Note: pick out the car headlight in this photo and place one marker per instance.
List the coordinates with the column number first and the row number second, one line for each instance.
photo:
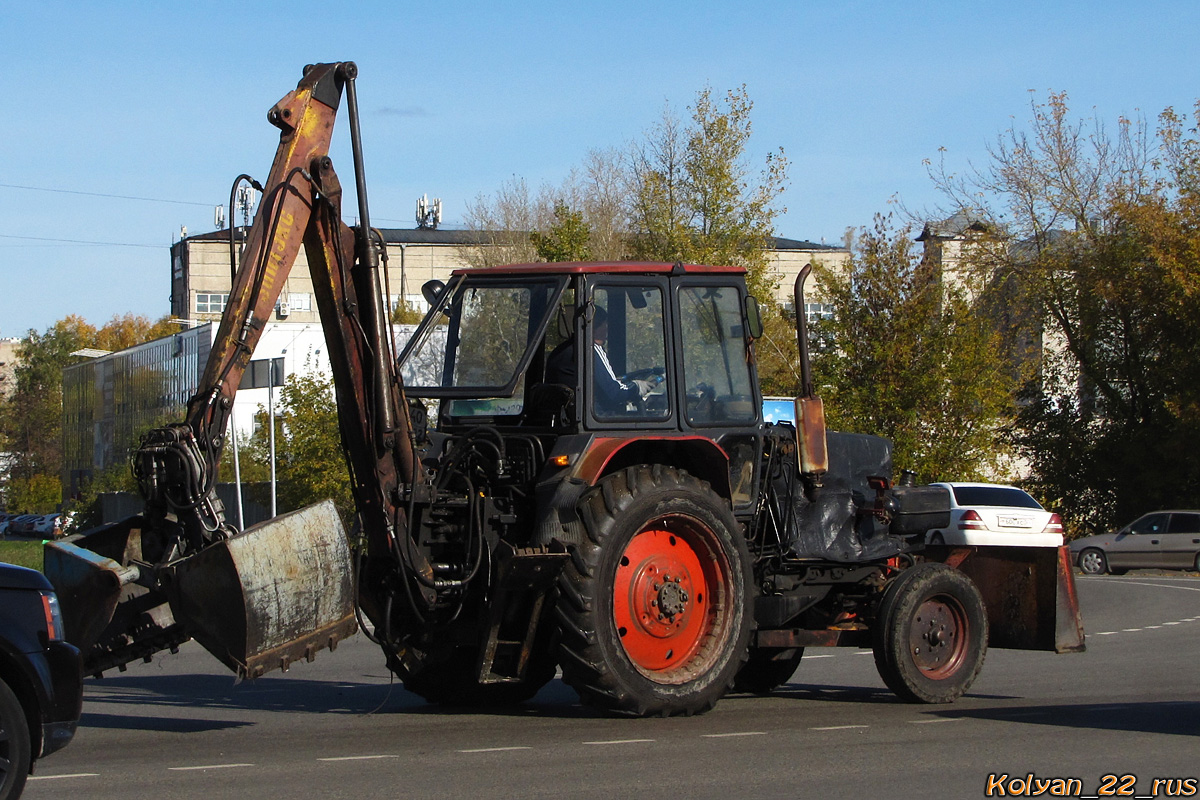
column 54, row 621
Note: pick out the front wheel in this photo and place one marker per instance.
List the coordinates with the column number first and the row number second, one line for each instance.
column 930, row 634
column 655, row 611
column 1093, row 562
column 14, row 745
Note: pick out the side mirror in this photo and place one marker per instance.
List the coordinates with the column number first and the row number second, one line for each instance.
column 432, row 291
column 754, row 323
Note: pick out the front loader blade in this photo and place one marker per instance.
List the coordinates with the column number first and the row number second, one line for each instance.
column 275, row 593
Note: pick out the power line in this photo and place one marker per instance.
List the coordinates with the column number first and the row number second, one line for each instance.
column 101, row 194
column 80, row 241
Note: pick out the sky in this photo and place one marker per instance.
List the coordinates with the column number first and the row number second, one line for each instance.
column 127, row 121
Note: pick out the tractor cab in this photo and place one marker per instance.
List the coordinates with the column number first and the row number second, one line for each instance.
column 656, row 355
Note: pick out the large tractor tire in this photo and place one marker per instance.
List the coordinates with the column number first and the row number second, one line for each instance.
column 930, row 634
column 767, row 670
column 654, row 611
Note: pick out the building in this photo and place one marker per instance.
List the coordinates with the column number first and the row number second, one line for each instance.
column 109, row 401
column 201, row 275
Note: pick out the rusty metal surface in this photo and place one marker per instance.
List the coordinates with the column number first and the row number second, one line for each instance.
column 111, row 619
column 1029, row 593
column 810, row 435
column 274, row 594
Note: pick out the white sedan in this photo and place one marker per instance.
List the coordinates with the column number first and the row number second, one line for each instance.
column 991, row 514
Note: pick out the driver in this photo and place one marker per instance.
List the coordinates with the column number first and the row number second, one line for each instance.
column 612, row 393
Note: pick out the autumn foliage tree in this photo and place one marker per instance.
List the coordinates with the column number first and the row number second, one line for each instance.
column 1098, row 226
column 31, row 418
column 905, row 356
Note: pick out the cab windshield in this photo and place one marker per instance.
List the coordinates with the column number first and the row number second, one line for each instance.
column 478, row 340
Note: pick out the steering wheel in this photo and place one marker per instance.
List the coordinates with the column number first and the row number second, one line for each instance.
column 658, row 373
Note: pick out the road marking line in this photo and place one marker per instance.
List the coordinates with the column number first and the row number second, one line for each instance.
column 934, row 721
column 839, row 727
column 622, row 741
column 208, row 766
column 1106, row 633
column 1159, row 585
column 493, row 749
column 725, row 735
column 1153, row 627
column 826, row 655
column 865, row 653
column 59, row 777
column 355, row 758
column 1130, row 630
column 1171, row 623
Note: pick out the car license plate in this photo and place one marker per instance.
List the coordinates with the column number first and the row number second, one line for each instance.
column 1014, row 522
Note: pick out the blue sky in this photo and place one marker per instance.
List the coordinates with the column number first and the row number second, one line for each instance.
column 167, row 101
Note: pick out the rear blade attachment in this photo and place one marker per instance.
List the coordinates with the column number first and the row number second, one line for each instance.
column 111, row 617
column 271, row 595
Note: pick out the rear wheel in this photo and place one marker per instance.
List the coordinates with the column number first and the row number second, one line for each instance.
column 14, row 745
column 930, row 634
column 1093, row 562
column 655, row 611
column 767, row 670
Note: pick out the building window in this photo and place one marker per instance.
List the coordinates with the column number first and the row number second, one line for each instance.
column 300, row 301
column 211, row 303
column 817, row 311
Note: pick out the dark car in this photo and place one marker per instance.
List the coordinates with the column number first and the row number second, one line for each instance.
column 41, row 677
column 1161, row 539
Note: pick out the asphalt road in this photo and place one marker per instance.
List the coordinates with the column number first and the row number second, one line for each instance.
column 339, row 727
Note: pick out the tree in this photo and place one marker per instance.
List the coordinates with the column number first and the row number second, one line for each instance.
column 507, row 220
column 309, row 463
column 31, row 418
column 906, row 357
column 567, row 239
column 1098, row 229
column 692, row 195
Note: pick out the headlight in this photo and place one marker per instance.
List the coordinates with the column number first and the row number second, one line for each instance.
column 54, row 622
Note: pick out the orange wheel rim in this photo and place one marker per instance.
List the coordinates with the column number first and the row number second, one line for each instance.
column 669, row 598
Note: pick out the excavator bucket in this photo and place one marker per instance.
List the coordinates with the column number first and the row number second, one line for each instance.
column 273, row 594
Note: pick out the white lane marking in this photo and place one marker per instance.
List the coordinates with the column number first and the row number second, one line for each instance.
column 493, row 749
column 865, row 653
column 934, row 721
column 1130, row 630
column 60, row 777
column 810, row 658
column 838, row 727
column 1153, row 627
column 1159, row 585
column 356, row 758
column 1106, row 633
column 1171, row 623
column 208, row 766
column 622, row 741
column 727, row 735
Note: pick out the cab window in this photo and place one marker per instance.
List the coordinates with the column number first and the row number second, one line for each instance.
column 715, row 370
column 627, row 353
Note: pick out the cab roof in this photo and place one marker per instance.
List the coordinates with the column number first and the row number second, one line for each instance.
column 602, row 267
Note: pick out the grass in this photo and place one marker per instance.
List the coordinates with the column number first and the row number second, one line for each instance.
column 25, row 554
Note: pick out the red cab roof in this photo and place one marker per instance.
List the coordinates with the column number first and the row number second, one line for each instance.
column 600, row 267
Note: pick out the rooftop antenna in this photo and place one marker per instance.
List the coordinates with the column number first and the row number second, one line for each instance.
column 429, row 216
column 246, row 195
column 218, row 217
